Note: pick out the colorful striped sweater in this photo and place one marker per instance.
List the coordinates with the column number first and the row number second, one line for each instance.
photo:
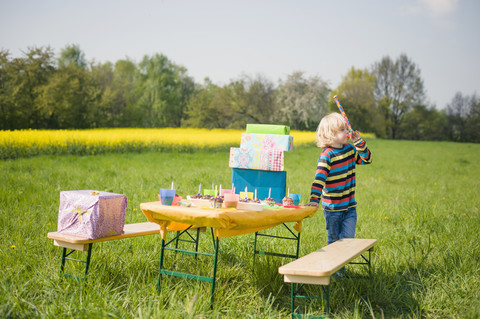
column 335, row 176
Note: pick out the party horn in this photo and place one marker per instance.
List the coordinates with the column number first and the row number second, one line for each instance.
column 350, row 130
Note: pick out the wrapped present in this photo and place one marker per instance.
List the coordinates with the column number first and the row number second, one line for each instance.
column 267, row 142
column 262, row 181
column 268, row 129
column 268, row 160
column 91, row 214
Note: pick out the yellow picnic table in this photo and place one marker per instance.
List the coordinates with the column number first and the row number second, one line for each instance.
column 224, row 222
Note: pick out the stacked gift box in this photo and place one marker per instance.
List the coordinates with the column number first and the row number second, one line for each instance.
column 259, row 163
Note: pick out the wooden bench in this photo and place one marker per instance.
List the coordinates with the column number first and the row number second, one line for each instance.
column 76, row 243
column 317, row 267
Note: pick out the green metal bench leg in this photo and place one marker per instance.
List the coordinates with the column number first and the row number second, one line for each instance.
column 292, row 299
column 89, row 254
column 65, row 255
column 296, row 288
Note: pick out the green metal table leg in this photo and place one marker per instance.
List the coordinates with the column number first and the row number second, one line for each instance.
column 298, row 244
column 196, row 241
column 294, row 237
column 255, row 250
column 162, row 250
column 217, row 242
column 176, row 240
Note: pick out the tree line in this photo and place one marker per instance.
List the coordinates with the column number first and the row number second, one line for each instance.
column 41, row 91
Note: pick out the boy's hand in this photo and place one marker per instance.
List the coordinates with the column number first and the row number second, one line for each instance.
column 312, row 204
column 356, row 136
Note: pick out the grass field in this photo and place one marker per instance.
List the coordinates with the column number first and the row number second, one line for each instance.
column 419, row 199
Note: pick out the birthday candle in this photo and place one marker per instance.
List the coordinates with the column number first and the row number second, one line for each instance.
column 246, row 192
column 220, row 190
column 200, row 189
column 172, row 185
column 215, row 191
column 255, row 194
column 213, row 185
column 269, row 192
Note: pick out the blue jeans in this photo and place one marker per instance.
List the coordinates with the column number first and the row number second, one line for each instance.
column 340, row 224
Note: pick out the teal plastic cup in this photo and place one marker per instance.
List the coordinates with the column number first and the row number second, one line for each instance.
column 295, row 198
column 166, row 196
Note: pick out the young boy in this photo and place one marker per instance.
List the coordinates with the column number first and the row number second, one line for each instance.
column 335, row 176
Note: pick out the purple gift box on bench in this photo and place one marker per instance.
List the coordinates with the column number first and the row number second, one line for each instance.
column 91, row 214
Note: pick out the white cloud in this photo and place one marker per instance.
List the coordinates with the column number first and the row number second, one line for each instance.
column 440, row 7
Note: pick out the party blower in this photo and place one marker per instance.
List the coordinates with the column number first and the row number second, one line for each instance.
column 350, row 130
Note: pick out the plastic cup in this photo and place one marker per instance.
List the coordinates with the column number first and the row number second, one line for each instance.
column 295, row 198
column 176, row 199
column 230, row 200
column 166, row 196
column 225, row 191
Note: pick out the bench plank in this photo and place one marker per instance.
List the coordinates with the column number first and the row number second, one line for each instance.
column 327, row 260
column 129, row 230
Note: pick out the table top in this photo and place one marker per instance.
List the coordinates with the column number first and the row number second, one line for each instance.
column 225, row 221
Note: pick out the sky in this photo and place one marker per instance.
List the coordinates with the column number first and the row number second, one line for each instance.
column 223, row 40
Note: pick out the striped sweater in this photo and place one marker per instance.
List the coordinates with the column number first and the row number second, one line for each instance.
column 335, row 176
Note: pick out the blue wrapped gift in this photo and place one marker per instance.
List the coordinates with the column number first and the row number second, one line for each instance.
column 262, row 181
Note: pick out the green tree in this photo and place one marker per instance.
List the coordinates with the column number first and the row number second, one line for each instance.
column 209, row 107
column 423, row 123
column 356, row 93
column 302, row 101
column 6, row 109
column 106, row 109
column 399, row 87
column 464, row 118
column 252, row 101
column 72, row 55
column 164, row 89
column 71, row 96
column 124, row 95
column 23, row 78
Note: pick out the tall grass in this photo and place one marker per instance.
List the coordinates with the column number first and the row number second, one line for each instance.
column 419, row 199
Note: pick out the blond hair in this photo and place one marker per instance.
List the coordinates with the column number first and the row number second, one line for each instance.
column 329, row 126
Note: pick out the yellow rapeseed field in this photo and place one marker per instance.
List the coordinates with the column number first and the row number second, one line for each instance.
column 21, row 143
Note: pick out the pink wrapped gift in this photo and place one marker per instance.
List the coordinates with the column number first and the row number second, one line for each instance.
column 91, row 214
